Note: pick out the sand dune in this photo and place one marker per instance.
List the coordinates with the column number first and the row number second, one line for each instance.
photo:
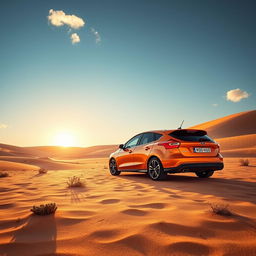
column 239, row 152
column 37, row 163
column 244, row 141
column 243, row 123
column 14, row 166
column 236, row 133
column 9, row 150
column 57, row 152
column 129, row 214
column 75, row 152
column 243, row 146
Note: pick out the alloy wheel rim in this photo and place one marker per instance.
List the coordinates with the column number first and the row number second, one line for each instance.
column 154, row 169
column 112, row 166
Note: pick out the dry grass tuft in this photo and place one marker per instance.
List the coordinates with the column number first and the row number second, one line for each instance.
column 42, row 171
column 221, row 209
column 244, row 162
column 44, row 209
column 74, row 182
column 4, row 174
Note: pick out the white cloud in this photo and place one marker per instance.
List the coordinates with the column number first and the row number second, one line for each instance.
column 215, row 105
column 2, row 126
column 236, row 95
column 97, row 35
column 75, row 38
column 59, row 18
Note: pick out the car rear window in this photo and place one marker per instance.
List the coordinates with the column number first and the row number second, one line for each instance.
column 191, row 135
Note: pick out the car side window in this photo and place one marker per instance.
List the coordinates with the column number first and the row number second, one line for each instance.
column 132, row 142
column 149, row 137
column 157, row 136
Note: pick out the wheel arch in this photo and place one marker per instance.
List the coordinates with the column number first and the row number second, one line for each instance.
column 153, row 156
column 111, row 158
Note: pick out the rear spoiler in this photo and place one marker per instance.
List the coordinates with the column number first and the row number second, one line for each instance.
column 188, row 132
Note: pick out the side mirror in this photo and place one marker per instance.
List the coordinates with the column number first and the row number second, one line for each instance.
column 121, row 146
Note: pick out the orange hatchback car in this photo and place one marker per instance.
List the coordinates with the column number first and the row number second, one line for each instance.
column 158, row 153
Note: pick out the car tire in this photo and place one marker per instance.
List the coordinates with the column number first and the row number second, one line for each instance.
column 113, row 167
column 156, row 170
column 204, row 174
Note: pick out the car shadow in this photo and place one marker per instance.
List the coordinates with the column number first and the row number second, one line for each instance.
column 228, row 189
column 36, row 236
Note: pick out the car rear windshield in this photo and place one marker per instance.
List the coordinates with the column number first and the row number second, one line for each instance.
column 191, row 135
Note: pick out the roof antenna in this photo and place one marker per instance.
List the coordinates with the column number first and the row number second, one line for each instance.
column 181, row 125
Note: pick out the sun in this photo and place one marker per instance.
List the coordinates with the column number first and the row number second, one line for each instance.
column 65, row 139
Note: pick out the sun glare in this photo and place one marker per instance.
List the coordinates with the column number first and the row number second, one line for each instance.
column 64, row 139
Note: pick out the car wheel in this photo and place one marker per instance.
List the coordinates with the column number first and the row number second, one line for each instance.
column 113, row 167
column 156, row 170
column 204, row 174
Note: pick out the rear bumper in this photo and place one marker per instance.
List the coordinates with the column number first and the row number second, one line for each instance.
column 195, row 167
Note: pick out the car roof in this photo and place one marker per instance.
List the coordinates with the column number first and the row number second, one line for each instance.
column 160, row 131
column 169, row 131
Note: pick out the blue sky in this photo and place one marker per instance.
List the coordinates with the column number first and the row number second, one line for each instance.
column 158, row 62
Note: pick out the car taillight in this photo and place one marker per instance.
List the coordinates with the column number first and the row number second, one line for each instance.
column 170, row 144
column 218, row 147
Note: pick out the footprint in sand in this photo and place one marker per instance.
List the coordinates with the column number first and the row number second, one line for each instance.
column 105, row 235
column 109, row 201
column 152, row 205
column 175, row 196
column 134, row 212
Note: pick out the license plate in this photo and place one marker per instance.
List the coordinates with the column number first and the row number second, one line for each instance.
column 202, row 150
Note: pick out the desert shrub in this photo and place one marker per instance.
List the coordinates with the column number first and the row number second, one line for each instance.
column 4, row 174
column 221, row 209
column 42, row 171
column 75, row 182
column 44, row 209
column 244, row 162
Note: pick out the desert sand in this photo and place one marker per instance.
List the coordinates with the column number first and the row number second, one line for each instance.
column 129, row 214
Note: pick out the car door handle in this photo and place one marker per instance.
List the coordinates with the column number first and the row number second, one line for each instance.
column 147, row 148
column 130, row 151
